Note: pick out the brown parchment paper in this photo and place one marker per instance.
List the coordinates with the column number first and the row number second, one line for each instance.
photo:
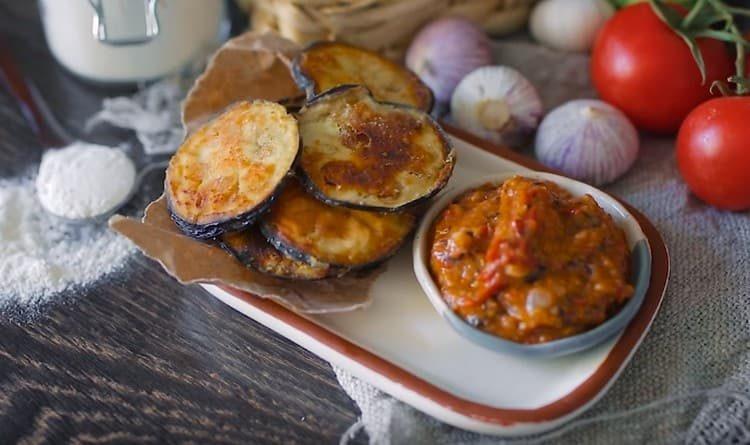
column 247, row 67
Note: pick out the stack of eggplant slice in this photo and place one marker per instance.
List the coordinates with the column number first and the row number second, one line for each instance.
column 333, row 189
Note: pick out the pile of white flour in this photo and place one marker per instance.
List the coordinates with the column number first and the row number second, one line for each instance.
column 40, row 256
column 84, row 180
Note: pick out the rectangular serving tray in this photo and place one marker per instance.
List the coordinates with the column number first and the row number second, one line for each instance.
column 402, row 346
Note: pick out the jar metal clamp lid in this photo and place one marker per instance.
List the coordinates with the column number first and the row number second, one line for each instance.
column 107, row 26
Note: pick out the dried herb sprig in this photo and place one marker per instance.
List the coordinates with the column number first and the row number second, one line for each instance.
column 712, row 19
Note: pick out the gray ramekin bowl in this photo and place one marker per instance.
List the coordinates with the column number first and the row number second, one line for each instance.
column 640, row 272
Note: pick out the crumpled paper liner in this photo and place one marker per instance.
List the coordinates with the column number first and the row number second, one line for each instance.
column 192, row 261
column 247, row 67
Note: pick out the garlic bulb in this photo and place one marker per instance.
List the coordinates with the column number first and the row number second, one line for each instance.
column 588, row 140
column 497, row 103
column 569, row 25
column 446, row 50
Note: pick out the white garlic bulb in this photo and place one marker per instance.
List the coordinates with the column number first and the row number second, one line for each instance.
column 497, row 103
column 445, row 51
column 588, row 140
column 569, row 25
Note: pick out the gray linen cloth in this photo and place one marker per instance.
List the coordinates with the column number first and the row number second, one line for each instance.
column 689, row 382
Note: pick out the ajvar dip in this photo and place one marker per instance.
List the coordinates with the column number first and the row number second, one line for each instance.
column 529, row 262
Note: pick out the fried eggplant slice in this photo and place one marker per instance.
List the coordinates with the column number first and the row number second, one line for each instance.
column 228, row 171
column 326, row 65
column 363, row 154
column 252, row 250
column 304, row 228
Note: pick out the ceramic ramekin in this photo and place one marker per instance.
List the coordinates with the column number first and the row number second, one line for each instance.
column 640, row 271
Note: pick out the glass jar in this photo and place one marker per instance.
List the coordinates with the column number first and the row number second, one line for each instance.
column 123, row 41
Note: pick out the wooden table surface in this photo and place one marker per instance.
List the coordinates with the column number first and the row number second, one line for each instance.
column 138, row 357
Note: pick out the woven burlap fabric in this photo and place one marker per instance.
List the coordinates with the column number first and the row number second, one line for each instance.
column 689, row 382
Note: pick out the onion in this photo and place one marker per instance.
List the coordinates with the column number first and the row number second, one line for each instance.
column 569, row 25
column 589, row 140
column 538, row 298
column 497, row 103
column 446, row 50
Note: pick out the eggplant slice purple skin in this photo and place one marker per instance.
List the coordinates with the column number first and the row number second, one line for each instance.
column 235, row 224
column 421, row 96
column 307, row 229
column 285, row 247
column 282, row 245
column 254, row 251
column 314, row 188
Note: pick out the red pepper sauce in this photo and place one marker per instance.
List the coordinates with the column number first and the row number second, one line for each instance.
column 529, row 262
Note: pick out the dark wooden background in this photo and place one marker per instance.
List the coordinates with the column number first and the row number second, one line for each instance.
column 138, row 357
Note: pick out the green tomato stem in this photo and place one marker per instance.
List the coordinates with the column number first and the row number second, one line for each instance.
column 738, row 11
column 694, row 11
column 740, row 67
column 706, row 13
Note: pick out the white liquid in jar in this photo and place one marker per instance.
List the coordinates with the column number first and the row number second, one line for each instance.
column 187, row 29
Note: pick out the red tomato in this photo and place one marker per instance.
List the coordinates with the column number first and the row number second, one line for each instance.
column 642, row 67
column 713, row 152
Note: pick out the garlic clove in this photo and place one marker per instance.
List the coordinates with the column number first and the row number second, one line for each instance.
column 493, row 114
column 497, row 103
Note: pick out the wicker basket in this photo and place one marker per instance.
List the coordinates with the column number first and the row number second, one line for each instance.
column 384, row 25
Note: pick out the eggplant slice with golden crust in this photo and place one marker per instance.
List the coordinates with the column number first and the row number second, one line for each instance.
column 228, row 171
column 252, row 250
column 364, row 154
column 326, row 65
column 305, row 228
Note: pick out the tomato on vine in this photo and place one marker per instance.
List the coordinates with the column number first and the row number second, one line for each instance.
column 713, row 152
column 644, row 68
column 713, row 144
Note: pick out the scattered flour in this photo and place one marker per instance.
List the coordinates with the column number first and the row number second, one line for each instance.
column 84, row 180
column 40, row 257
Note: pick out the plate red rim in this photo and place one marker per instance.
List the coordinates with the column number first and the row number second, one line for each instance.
column 576, row 399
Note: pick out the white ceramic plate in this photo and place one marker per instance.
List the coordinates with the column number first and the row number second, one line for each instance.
column 401, row 345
